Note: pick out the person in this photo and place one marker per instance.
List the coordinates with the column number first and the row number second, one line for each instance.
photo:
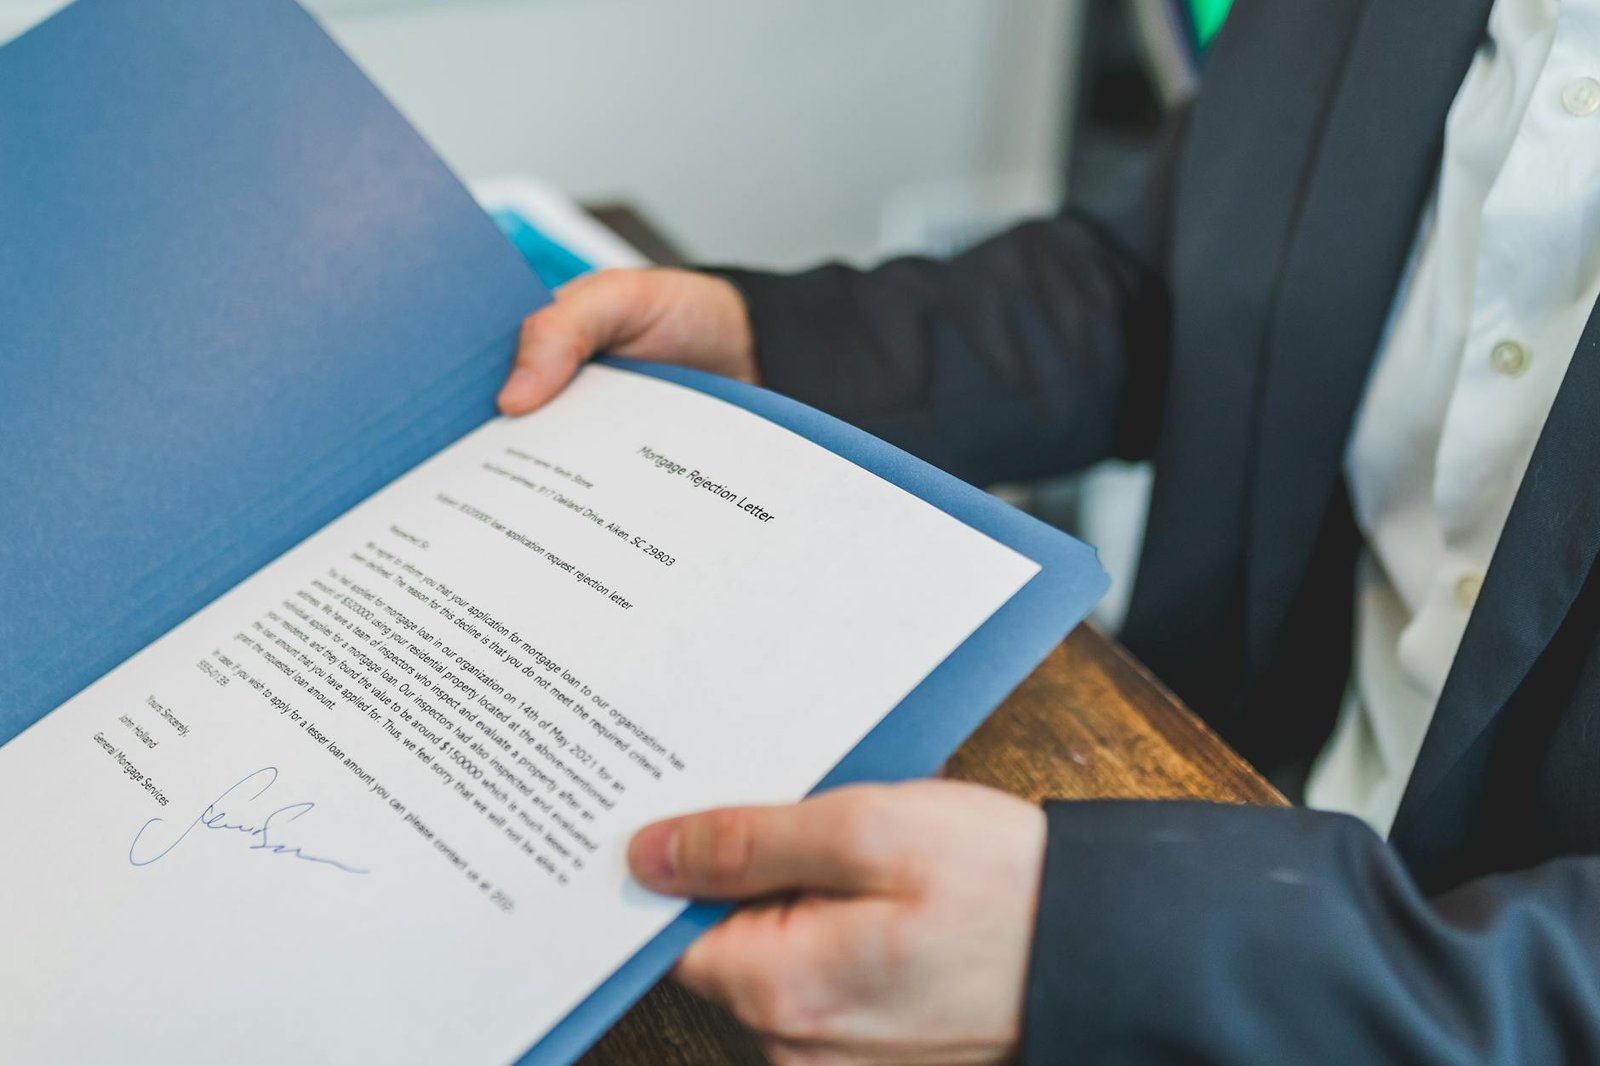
column 1349, row 318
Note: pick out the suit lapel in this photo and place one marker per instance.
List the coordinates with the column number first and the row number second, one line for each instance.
column 1545, row 553
column 1377, row 162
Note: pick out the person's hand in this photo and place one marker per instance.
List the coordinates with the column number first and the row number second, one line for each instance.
column 673, row 316
column 893, row 926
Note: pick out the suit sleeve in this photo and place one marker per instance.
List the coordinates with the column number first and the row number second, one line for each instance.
column 1037, row 352
column 1201, row 933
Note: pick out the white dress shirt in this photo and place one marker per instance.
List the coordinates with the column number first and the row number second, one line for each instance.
column 1504, row 272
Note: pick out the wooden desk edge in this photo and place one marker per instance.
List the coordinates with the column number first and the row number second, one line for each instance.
column 1178, row 722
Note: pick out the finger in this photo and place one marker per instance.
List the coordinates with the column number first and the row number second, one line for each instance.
column 781, row 1052
column 893, row 1052
column 793, row 971
column 838, row 842
column 722, row 961
column 552, row 347
column 767, row 964
column 590, row 313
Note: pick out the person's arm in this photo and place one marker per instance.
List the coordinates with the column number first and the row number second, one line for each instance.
column 892, row 925
column 1037, row 352
column 1182, row 932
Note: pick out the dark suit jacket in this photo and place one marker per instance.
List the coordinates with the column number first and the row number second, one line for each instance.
column 1225, row 329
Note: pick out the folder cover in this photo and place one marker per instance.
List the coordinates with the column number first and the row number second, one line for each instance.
column 238, row 293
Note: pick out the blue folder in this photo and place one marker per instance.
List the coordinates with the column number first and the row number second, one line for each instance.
column 238, row 294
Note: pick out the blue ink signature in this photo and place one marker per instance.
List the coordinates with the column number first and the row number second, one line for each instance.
column 259, row 830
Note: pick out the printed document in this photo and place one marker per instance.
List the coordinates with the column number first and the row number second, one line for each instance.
column 373, row 804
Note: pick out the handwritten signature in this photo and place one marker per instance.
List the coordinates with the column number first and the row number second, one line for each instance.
column 216, row 816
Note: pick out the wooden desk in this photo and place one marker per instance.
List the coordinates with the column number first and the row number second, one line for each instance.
column 1090, row 723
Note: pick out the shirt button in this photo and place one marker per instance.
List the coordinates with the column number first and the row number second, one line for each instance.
column 1467, row 588
column 1581, row 96
column 1509, row 358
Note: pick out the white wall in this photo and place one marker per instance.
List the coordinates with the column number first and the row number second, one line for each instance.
column 773, row 131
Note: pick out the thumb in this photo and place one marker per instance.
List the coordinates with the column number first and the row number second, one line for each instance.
column 595, row 311
column 825, row 844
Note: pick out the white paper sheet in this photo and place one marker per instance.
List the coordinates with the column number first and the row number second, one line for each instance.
column 372, row 805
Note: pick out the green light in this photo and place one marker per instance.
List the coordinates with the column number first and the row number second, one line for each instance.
column 1208, row 16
